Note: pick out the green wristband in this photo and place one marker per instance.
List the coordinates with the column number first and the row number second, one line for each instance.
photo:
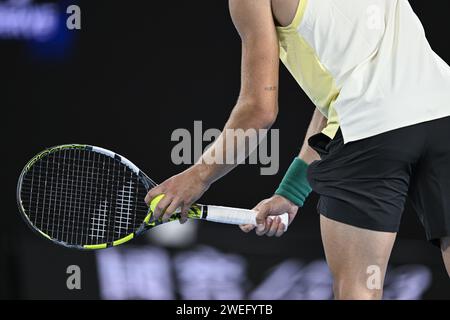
column 295, row 186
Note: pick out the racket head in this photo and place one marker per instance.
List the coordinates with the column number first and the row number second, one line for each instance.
column 84, row 197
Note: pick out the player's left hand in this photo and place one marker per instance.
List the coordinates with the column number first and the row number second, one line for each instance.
column 274, row 206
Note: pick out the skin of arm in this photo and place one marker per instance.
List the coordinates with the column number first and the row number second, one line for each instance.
column 256, row 108
column 317, row 124
column 284, row 12
column 276, row 204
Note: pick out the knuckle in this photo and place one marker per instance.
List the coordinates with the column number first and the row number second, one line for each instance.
column 155, row 191
column 260, row 218
column 160, row 207
column 184, row 214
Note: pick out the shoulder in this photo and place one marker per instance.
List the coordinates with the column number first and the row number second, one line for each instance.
column 251, row 16
column 284, row 11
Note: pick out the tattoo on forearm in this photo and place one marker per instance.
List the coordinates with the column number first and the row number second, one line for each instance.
column 271, row 88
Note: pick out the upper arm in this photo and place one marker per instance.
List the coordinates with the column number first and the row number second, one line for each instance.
column 260, row 52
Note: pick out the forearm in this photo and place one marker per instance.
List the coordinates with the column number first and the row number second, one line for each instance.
column 231, row 148
column 317, row 124
column 258, row 98
column 295, row 186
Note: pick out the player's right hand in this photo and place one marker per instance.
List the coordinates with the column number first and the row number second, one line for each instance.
column 274, row 206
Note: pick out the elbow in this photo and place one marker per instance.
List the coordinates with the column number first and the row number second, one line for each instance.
column 267, row 116
column 257, row 115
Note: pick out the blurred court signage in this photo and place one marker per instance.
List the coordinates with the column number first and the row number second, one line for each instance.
column 206, row 273
column 23, row 19
column 46, row 28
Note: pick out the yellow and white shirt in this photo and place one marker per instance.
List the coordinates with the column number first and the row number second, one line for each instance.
column 366, row 65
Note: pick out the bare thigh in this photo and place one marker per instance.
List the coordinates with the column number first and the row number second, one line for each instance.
column 357, row 258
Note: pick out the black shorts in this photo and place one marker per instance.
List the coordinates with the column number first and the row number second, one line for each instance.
column 365, row 183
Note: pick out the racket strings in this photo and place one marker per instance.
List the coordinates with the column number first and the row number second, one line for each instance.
column 83, row 197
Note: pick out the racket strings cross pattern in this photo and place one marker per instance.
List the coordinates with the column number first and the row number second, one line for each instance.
column 86, row 197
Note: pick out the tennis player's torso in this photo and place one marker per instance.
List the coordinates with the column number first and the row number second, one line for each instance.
column 366, row 64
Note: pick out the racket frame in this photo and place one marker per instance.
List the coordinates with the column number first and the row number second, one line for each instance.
column 197, row 211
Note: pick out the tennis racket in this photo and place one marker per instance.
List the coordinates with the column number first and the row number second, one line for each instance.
column 88, row 198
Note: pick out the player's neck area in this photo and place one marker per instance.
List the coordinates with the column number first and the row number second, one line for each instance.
column 284, row 11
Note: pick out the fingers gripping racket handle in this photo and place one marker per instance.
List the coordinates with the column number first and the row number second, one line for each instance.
column 236, row 216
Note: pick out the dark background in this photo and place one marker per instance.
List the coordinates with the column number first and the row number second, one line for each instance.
column 136, row 71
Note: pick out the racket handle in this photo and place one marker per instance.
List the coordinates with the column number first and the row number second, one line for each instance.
column 236, row 216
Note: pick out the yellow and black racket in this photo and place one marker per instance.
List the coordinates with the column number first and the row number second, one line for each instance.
column 87, row 197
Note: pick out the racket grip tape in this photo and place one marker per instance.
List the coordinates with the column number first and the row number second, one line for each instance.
column 226, row 215
column 236, row 216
